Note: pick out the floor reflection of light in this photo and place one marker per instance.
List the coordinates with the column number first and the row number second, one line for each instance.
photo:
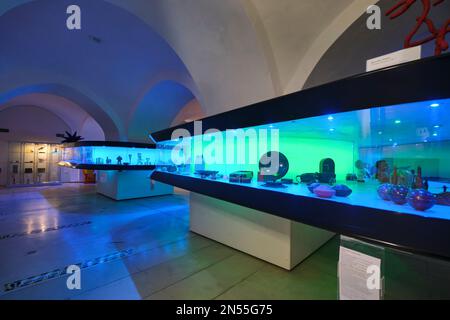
column 29, row 226
column 41, row 219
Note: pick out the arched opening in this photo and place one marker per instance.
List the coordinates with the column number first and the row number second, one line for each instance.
column 30, row 148
column 103, row 68
column 69, row 104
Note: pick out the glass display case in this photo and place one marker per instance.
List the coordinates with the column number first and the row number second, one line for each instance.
column 367, row 156
column 394, row 158
column 94, row 155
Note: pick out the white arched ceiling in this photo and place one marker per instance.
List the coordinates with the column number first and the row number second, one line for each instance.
column 231, row 53
column 216, row 41
column 90, row 107
column 322, row 42
column 74, row 116
column 290, row 27
column 31, row 124
column 243, row 51
column 112, row 73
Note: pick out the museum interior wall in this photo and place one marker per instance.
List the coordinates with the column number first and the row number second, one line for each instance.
column 347, row 56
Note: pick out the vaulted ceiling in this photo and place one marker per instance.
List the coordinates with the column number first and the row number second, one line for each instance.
column 224, row 54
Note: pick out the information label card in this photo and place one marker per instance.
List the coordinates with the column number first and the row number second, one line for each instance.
column 359, row 276
column 394, row 58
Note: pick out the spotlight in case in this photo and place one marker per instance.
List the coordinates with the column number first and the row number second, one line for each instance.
column 398, row 121
column 435, row 134
column 330, row 118
column 332, row 130
column 437, row 126
column 380, row 132
column 434, row 105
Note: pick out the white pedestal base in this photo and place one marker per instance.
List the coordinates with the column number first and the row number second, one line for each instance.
column 282, row 242
column 124, row 185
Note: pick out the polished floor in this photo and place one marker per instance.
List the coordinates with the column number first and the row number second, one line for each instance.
column 137, row 249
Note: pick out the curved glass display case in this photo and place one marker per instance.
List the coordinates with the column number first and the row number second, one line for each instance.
column 355, row 157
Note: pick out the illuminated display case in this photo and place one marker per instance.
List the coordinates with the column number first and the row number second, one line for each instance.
column 123, row 168
column 104, row 155
column 366, row 156
column 403, row 145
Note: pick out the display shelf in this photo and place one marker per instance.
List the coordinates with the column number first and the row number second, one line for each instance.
column 366, row 217
column 363, row 195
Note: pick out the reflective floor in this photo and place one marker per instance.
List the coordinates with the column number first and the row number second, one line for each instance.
column 137, row 249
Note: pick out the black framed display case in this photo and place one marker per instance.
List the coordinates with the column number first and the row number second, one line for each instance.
column 112, row 155
column 368, row 156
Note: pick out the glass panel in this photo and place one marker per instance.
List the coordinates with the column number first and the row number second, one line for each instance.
column 106, row 155
column 404, row 145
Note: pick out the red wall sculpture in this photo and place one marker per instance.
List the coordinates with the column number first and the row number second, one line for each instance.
column 436, row 34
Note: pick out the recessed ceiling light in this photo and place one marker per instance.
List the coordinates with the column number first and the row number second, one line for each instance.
column 434, row 105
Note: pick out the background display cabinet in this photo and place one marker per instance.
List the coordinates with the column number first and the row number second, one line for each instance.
column 31, row 164
column 123, row 168
column 367, row 157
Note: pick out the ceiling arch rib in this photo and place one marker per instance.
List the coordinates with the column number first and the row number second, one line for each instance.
column 51, row 95
column 216, row 41
column 238, row 52
column 158, row 108
column 74, row 116
column 30, row 123
column 114, row 72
